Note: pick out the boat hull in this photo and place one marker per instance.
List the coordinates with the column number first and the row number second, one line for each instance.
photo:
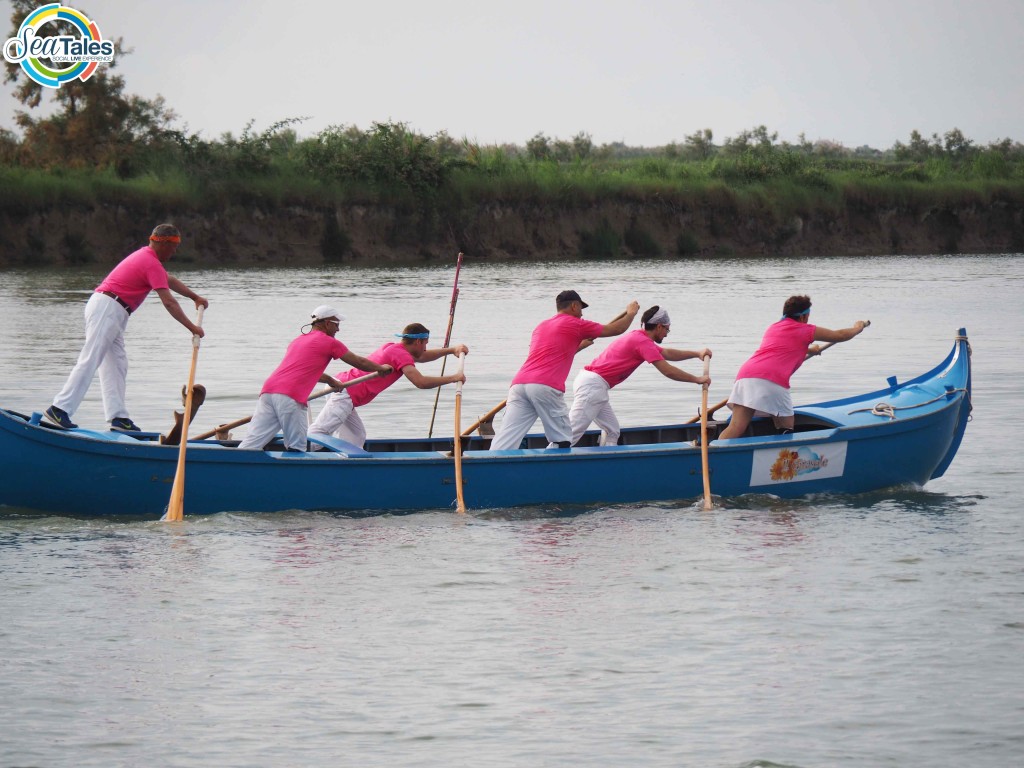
column 843, row 448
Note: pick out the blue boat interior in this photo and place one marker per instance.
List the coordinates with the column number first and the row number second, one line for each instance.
column 328, row 447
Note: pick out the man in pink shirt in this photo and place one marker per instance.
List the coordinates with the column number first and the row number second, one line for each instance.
column 762, row 383
column 538, row 390
column 339, row 417
column 614, row 365
column 106, row 317
column 283, row 399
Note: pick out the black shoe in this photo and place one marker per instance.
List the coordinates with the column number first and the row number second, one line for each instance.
column 123, row 424
column 60, row 418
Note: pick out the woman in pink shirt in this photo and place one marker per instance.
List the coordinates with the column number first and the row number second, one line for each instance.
column 762, row 383
column 613, row 366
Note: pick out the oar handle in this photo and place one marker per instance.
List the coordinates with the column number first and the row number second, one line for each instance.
column 462, row 368
column 707, row 368
column 196, row 338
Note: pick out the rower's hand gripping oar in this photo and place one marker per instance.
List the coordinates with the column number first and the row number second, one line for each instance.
column 461, row 501
column 176, row 505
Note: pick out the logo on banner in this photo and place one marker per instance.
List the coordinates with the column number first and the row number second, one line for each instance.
column 772, row 466
column 82, row 53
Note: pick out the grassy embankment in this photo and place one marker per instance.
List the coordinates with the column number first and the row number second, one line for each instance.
column 434, row 181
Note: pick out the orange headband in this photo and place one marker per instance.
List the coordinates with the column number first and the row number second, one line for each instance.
column 164, row 239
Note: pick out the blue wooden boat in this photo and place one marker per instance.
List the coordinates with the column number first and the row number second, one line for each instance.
column 902, row 434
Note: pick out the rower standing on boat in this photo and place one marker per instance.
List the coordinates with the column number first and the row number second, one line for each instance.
column 106, row 317
column 614, row 365
column 538, row 389
column 762, row 383
column 339, row 417
column 283, row 399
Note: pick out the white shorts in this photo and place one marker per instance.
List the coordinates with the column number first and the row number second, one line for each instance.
column 766, row 397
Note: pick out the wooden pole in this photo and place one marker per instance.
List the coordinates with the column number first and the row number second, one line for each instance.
column 447, row 338
column 176, row 505
column 461, row 500
column 704, row 438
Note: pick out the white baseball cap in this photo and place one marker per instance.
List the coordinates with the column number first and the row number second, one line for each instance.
column 325, row 312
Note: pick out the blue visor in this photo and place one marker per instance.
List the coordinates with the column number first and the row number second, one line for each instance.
column 412, row 335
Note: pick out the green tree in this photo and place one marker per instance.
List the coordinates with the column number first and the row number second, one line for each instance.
column 758, row 141
column 539, row 147
column 957, row 145
column 917, row 150
column 94, row 124
column 700, row 145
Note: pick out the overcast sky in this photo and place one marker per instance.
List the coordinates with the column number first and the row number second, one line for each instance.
column 642, row 72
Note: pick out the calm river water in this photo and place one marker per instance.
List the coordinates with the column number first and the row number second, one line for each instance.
column 876, row 630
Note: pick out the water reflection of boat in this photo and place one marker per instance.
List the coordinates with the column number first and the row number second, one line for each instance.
column 903, row 434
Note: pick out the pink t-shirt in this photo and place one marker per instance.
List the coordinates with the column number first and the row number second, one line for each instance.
column 304, row 362
column 624, row 355
column 137, row 274
column 552, row 346
column 395, row 355
column 783, row 350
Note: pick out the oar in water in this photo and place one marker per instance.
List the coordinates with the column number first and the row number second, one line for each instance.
column 447, row 338
column 461, row 501
column 704, row 437
column 830, row 344
column 176, row 506
column 241, row 422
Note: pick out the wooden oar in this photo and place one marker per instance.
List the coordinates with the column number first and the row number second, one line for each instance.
column 711, row 413
column 447, row 337
column 831, row 344
column 704, row 438
column 176, row 506
column 461, row 504
column 314, row 396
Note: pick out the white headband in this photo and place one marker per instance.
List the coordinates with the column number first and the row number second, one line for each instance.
column 659, row 318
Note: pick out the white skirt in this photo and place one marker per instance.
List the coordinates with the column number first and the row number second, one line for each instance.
column 766, row 397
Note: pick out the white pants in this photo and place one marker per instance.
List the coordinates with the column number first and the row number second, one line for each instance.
column 105, row 321
column 525, row 403
column 340, row 419
column 276, row 412
column 590, row 404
